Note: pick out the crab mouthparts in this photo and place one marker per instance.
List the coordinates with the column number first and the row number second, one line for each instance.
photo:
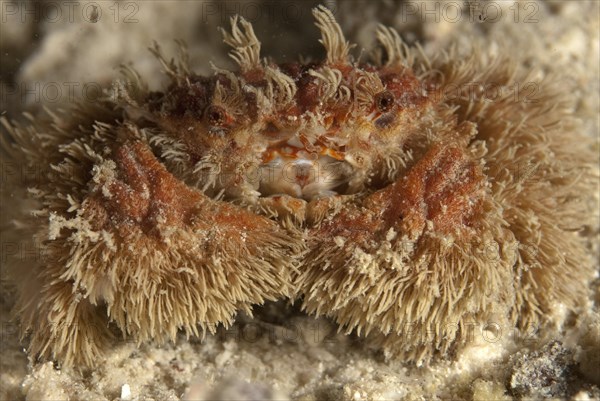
column 289, row 168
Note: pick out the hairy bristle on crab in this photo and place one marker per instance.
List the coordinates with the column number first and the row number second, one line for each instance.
column 355, row 187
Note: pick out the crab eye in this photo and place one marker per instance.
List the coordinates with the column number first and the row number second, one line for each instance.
column 215, row 116
column 384, row 101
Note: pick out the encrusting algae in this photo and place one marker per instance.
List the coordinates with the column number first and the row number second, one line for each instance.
column 360, row 189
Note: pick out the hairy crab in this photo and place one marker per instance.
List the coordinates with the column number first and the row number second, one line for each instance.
column 358, row 188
